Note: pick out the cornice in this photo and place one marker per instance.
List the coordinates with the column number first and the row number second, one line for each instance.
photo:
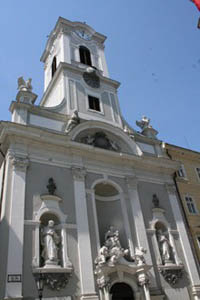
column 76, row 70
column 39, row 111
column 48, row 139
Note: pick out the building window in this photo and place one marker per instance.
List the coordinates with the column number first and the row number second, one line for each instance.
column 190, row 205
column 94, row 103
column 53, row 67
column 198, row 173
column 181, row 172
column 85, row 57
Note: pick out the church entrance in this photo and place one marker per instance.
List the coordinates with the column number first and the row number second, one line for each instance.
column 121, row 291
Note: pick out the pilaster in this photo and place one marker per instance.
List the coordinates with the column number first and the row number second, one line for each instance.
column 84, row 243
column 189, row 259
column 19, row 165
column 142, row 241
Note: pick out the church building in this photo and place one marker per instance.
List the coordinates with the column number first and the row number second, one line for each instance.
column 89, row 209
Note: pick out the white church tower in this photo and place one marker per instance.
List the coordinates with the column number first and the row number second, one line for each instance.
column 89, row 209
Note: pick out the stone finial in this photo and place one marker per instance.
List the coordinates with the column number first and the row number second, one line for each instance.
column 25, row 93
column 147, row 129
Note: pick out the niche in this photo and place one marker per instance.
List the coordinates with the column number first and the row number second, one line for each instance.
column 109, row 211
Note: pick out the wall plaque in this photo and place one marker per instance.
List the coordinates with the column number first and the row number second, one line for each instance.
column 14, row 278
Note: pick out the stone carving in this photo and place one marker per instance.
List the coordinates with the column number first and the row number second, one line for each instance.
column 73, row 121
column 56, row 281
column 24, row 85
column 19, row 163
column 172, row 275
column 111, row 252
column 144, row 123
column 50, row 242
column 147, row 129
column 165, row 248
column 155, row 201
column 100, row 140
column 139, row 255
column 51, row 186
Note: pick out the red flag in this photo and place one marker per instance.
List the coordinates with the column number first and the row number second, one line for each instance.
column 197, row 3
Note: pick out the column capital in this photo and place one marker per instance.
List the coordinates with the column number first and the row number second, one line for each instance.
column 78, row 173
column 132, row 181
column 20, row 163
column 171, row 189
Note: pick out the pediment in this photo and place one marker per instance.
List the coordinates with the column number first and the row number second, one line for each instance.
column 104, row 136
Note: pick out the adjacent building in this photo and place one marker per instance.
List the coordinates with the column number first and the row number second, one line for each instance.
column 188, row 183
column 89, row 208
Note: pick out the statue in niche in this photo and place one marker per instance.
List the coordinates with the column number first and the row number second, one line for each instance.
column 164, row 246
column 50, row 242
column 111, row 252
column 73, row 121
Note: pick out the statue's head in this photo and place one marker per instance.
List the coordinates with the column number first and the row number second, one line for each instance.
column 51, row 223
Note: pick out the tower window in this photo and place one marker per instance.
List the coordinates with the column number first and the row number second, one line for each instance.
column 85, row 57
column 53, row 67
column 94, row 103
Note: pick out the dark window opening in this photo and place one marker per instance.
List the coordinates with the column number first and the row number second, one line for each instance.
column 94, row 103
column 85, row 57
column 121, row 291
column 53, row 66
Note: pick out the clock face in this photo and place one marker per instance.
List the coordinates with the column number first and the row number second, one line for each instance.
column 91, row 79
column 82, row 34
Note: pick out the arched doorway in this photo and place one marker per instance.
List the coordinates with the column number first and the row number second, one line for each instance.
column 121, row 291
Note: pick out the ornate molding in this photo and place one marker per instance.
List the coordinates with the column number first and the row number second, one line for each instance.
column 19, row 163
column 56, row 279
column 78, row 173
column 171, row 189
column 172, row 273
column 143, row 279
column 132, row 182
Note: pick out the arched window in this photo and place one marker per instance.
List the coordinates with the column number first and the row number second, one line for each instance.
column 53, row 67
column 121, row 291
column 85, row 57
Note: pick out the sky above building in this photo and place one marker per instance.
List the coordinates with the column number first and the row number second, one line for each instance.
column 152, row 49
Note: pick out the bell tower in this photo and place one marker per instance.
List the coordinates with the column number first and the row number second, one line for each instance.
column 76, row 76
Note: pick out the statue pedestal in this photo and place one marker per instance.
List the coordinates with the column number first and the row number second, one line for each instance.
column 53, row 276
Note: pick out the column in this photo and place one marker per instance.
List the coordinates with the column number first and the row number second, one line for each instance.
column 139, row 223
column 16, row 227
column 187, row 251
column 65, row 257
column 84, row 244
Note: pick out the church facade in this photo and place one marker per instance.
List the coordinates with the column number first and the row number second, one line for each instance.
column 89, row 209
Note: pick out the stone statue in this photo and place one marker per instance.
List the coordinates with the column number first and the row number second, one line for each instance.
column 101, row 258
column 50, row 242
column 24, row 85
column 139, row 256
column 73, row 121
column 155, row 201
column 165, row 247
column 144, row 123
column 111, row 252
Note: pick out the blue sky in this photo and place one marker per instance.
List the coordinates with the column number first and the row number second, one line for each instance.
column 152, row 48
